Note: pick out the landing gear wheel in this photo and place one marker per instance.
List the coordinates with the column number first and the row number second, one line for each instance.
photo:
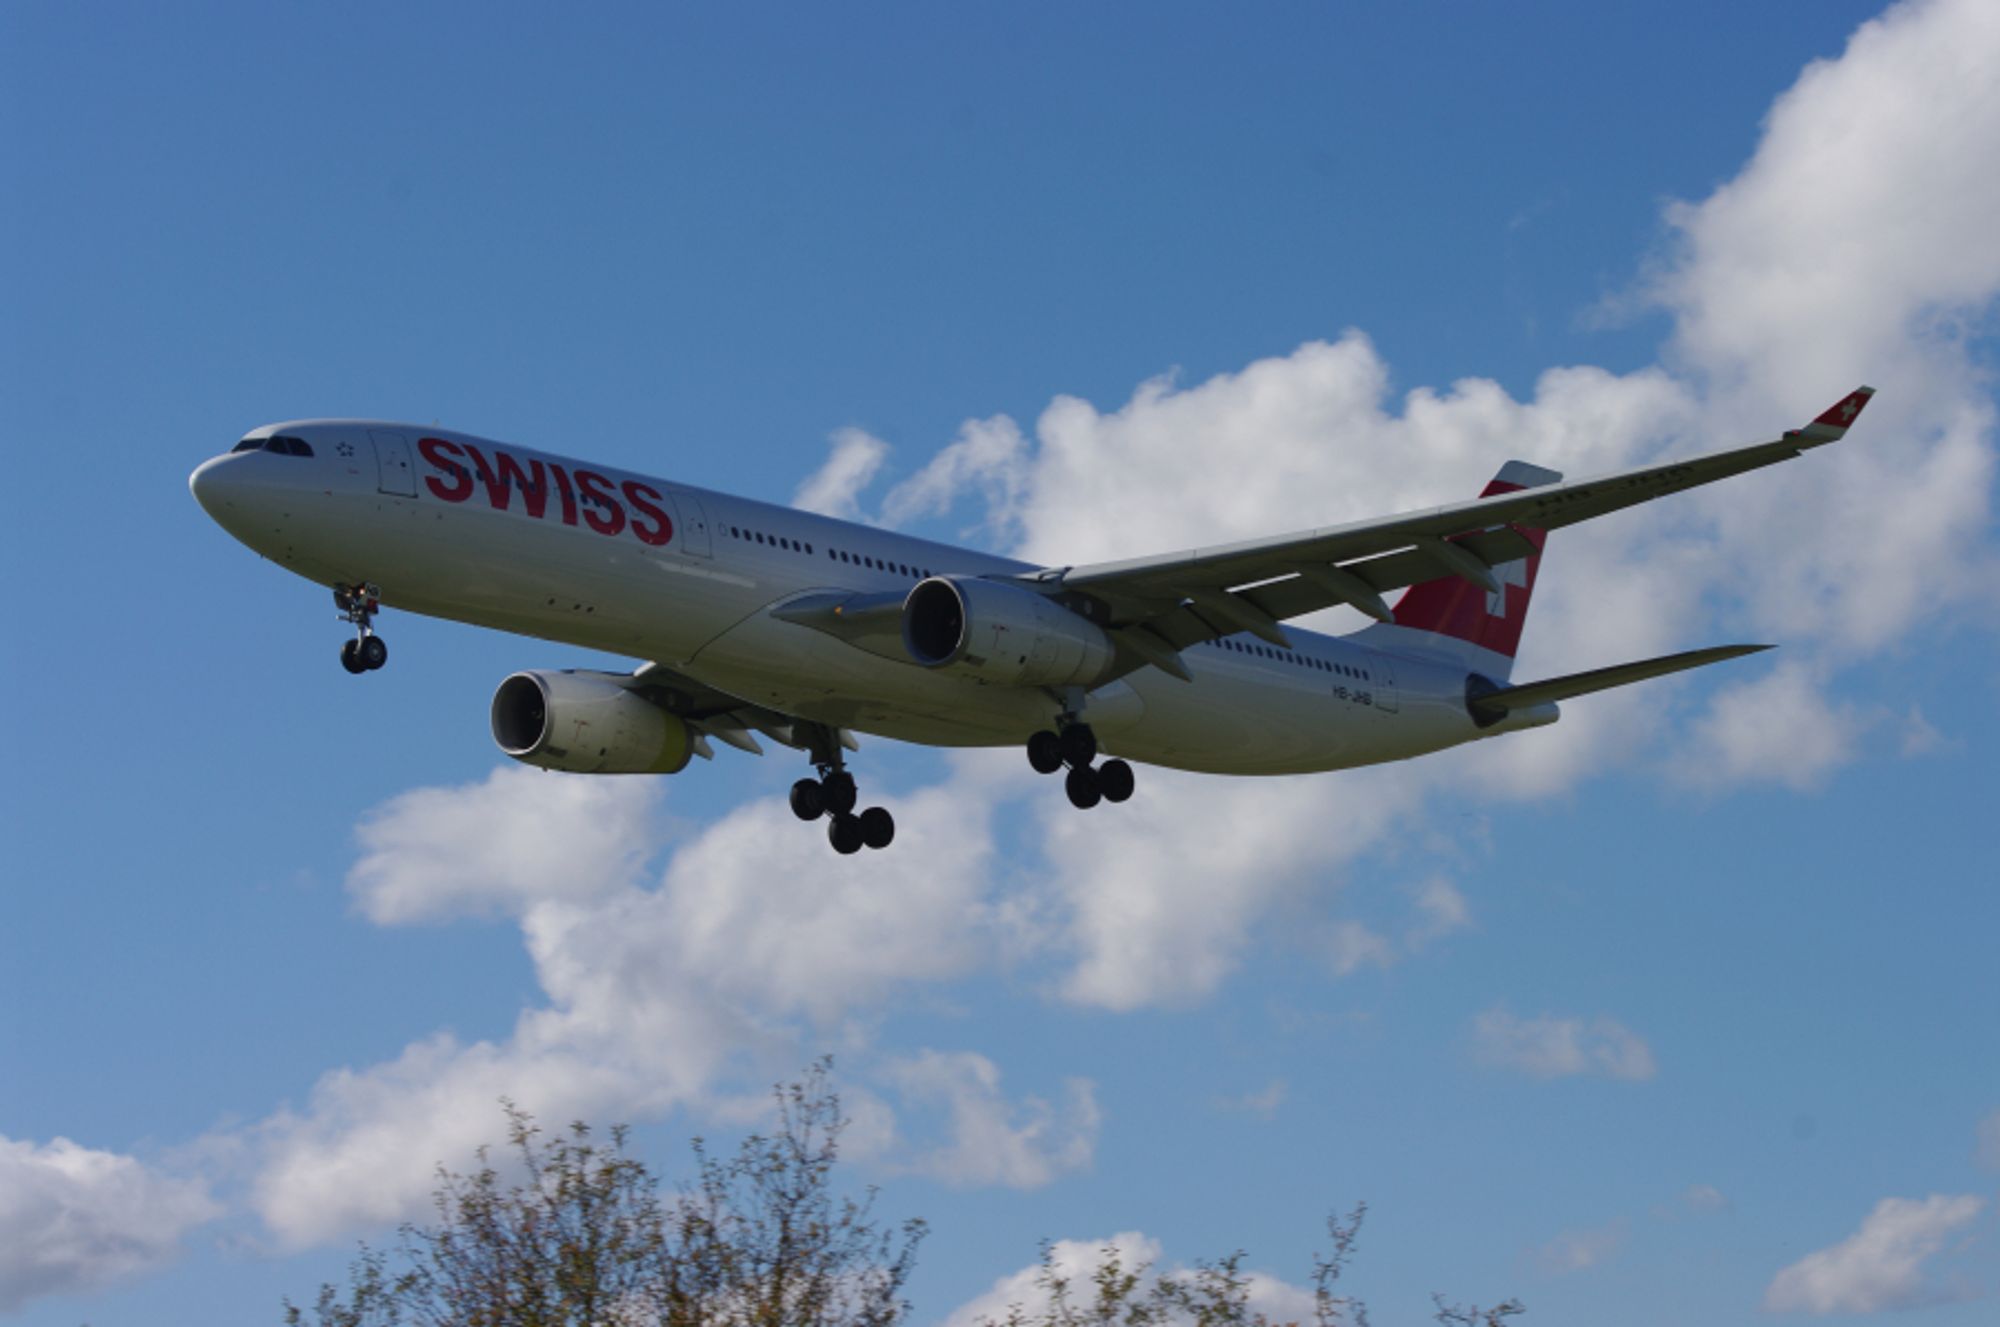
column 844, row 833
column 350, row 656
column 1114, row 780
column 1082, row 787
column 878, row 827
column 837, row 790
column 373, row 652
column 1045, row 752
column 1078, row 745
column 808, row 801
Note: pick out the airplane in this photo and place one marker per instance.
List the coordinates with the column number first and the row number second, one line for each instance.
column 756, row 619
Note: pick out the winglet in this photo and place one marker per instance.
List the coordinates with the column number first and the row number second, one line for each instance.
column 1837, row 419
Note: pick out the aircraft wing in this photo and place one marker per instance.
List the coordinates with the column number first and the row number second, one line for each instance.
column 1157, row 606
column 714, row 713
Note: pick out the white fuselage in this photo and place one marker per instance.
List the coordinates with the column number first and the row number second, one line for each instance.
column 497, row 535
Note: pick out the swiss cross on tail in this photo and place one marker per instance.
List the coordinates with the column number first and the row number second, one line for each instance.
column 1835, row 421
column 1507, row 573
column 1488, row 616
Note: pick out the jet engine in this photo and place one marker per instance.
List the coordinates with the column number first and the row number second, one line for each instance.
column 587, row 723
column 1002, row 633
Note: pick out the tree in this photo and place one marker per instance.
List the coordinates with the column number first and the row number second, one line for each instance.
column 578, row 1234
column 581, row 1236
column 1210, row 1294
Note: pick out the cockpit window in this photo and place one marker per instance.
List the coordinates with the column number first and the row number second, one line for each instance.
column 283, row 446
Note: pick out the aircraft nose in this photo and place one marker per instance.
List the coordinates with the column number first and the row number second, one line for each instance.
column 211, row 488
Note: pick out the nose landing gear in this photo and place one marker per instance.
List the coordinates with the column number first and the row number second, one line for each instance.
column 833, row 795
column 358, row 605
column 1075, row 745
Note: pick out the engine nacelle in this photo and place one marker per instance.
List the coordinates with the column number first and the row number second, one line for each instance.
column 587, row 723
column 1000, row 633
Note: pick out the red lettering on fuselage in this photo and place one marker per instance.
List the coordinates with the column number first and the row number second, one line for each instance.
column 568, row 494
column 596, row 494
column 534, row 485
column 440, row 454
column 645, row 502
column 601, row 509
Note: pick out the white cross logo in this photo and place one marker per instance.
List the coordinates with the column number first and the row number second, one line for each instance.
column 1849, row 409
column 1507, row 573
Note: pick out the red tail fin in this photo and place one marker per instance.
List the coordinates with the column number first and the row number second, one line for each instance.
column 1454, row 607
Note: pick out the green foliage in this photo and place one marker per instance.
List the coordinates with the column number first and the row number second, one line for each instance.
column 582, row 1238
column 577, row 1234
column 1210, row 1294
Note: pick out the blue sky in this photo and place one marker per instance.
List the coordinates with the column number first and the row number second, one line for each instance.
column 1681, row 1010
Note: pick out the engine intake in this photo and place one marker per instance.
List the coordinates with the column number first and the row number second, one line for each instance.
column 1002, row 633
column 587, row 723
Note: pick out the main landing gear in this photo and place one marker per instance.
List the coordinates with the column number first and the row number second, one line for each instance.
column 358, row 605
column 833, row 795
column 1074, row 745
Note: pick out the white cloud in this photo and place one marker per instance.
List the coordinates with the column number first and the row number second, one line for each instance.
column 1705, row 1198
column 1881, row 1265
column 520, row 836
column 650, row 991
column 1778, row 728
column 1553, row 1047
column 1023, row 1145
column 835, row 488
column 1442, row 909
column 1075, row 1260
column 1354, row 947
column 1575, row 1250
column 74, row 1218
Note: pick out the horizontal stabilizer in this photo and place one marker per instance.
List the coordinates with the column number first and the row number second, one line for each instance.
column 1496, row 704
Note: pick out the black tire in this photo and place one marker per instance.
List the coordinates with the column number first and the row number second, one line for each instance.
column 808, row 802
column 350, row 657
column 1114, row 780
column 374, row 652
column 1079, row 745
column 1045, row 752
column 837, row 791
column 1081, row 785
column 878, row 827
column 844, row 833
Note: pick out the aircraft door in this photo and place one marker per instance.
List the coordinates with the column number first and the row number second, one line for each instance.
column 693, row 525
column 392, row 464
column 1385, row 684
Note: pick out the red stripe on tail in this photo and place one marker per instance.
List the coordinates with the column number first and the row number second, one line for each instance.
column 1453, row 606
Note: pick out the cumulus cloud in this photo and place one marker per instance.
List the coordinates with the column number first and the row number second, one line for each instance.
column 74, row 1218
column 1022, row 1145
column 1262, row 1104
column 1881, row 1265
column 1779, row 728
column 834, row 489
column 651, row 989
column 1556, row 1047
column 519, row 837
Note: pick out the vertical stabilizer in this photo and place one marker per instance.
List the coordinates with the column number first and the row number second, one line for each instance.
column 1454, row 618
